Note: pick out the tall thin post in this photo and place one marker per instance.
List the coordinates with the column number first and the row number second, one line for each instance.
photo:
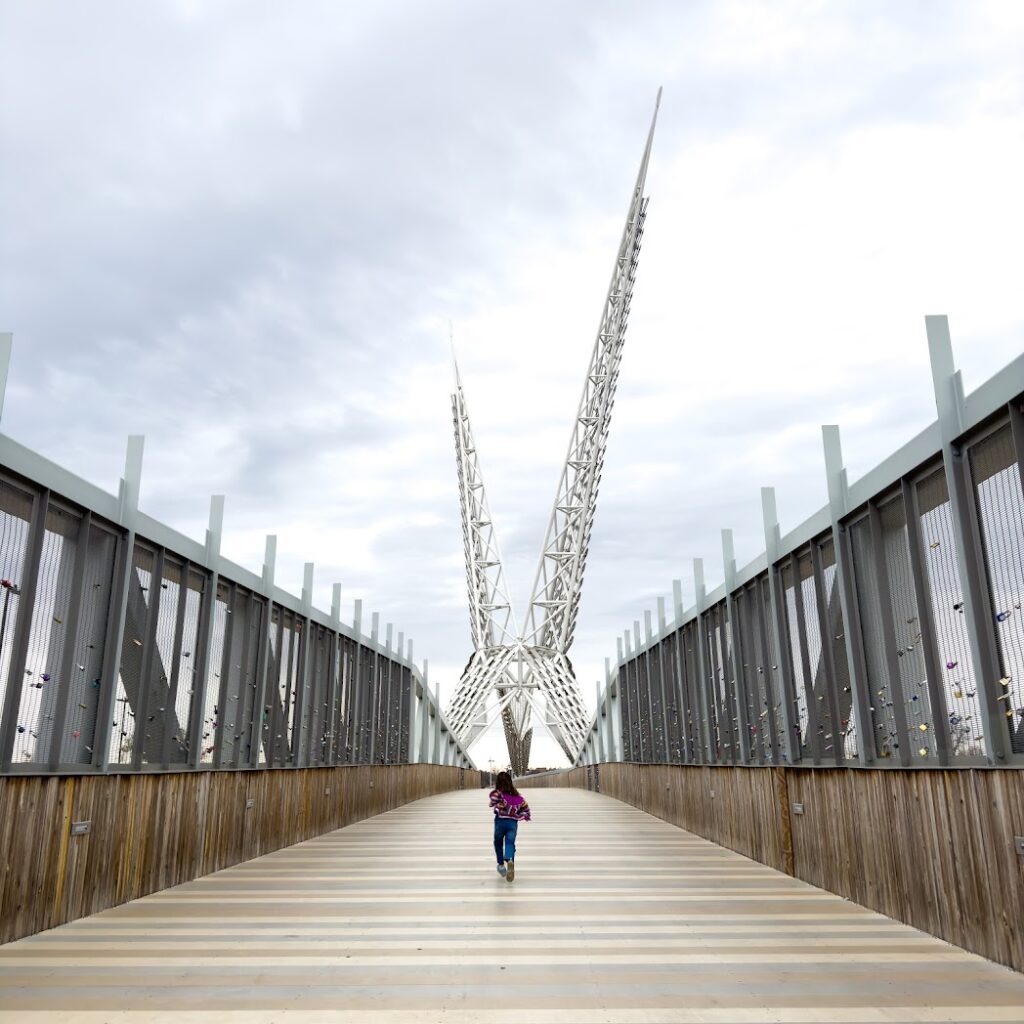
column 948, row 387
column 835, row 475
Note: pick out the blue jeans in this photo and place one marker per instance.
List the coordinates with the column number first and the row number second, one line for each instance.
column 505, row 839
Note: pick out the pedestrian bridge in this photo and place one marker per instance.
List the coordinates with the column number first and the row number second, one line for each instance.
column 220, row 803
column 615, row 917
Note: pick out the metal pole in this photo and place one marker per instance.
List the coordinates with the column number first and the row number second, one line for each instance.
column 785, row 693
column 948, row 387
column 835, row 475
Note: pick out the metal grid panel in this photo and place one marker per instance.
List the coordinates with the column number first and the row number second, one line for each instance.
column 821, row 718
column 645, row 710
column 845, row 724
column 183, row 681
column 39, row 707
column 218, row 644
column 1000, row 503
column 88, row 652
column 868, row 601
column 673, row 703
column 912, row 681
column 773, row 671
column 318, row 711
column 794, row 653
column 235, row 693
column 129, row 682
column 159, row 714
column 15, row 521
column 945, row 592
column 748, row 667
column 691, row 677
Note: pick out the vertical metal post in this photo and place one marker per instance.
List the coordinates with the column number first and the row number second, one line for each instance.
column 436, row 758
column 835, row 475
column 128, row 507
column 791, row 745
column 926, row 620
column 204, row 638
column 664, row 686
column 827, row 658
column 892, row 665
column 300, row 744
column 703, row 686
column 146, row 672
column 358, row 726
column 263, row 663
column 170, row 711
column 735, row 655
column 804, row 654
column 643, row 690
column 683, row 695
column 26, row 606
column 948, row 386
column 598, row 720
column 65, row 675
column 388, row 697
column 332, row 715
column 374, row 694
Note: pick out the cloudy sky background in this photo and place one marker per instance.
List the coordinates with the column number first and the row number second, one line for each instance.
column 242, row 228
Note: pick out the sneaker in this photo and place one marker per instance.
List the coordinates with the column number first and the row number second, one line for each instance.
column 501, row 870
column 511, row 873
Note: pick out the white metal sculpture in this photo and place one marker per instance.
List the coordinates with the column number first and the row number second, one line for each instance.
column 520, row 666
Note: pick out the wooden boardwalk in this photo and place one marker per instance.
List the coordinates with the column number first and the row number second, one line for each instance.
column 614, row 916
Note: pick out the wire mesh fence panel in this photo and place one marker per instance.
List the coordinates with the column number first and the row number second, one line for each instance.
column 184, row 689
column 834, row 634
column 645, row 708
column 749, row 665
column 820, row 686
column 912, row 682
column 128, row 733
column 773, row 675
column 159, row 714
column 958, row 685
column 346, row 666
column 15, row 523
column 406, row 699
column 214, row 671
column 881, row 705
column 39, row 711
column 652, row 659
column 794, row 653
column 89, row 648
column 318, row 716
column 1000, row 503
column 691, row 688
column 670, row 663
column 235, row 694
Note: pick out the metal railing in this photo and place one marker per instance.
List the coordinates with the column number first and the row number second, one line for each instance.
column 126, row 646
column 884, row 631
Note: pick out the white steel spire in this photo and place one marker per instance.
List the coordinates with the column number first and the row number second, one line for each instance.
column 531, row 671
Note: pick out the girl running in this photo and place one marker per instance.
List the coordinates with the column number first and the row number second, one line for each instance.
column 509, row 809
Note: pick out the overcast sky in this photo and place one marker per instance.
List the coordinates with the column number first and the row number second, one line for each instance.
column 241, row 229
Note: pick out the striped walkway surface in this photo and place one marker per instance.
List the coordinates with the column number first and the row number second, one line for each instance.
column 614, row 916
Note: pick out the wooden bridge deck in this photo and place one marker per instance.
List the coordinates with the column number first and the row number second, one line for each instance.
column 615, row 916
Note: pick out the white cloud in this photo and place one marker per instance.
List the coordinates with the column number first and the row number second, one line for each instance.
column 244, row 234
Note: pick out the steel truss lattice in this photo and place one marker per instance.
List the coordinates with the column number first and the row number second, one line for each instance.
column 519, row 667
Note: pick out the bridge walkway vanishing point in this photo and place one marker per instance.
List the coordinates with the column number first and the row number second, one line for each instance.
column 615, row 916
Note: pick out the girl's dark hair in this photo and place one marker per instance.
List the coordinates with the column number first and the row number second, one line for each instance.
column 505, row 784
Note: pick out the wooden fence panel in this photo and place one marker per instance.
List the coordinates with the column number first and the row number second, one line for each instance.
column 152, row 831
column 931, row 847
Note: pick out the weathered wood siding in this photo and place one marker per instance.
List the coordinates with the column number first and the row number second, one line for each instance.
column 150, row 832
column 933, row 848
